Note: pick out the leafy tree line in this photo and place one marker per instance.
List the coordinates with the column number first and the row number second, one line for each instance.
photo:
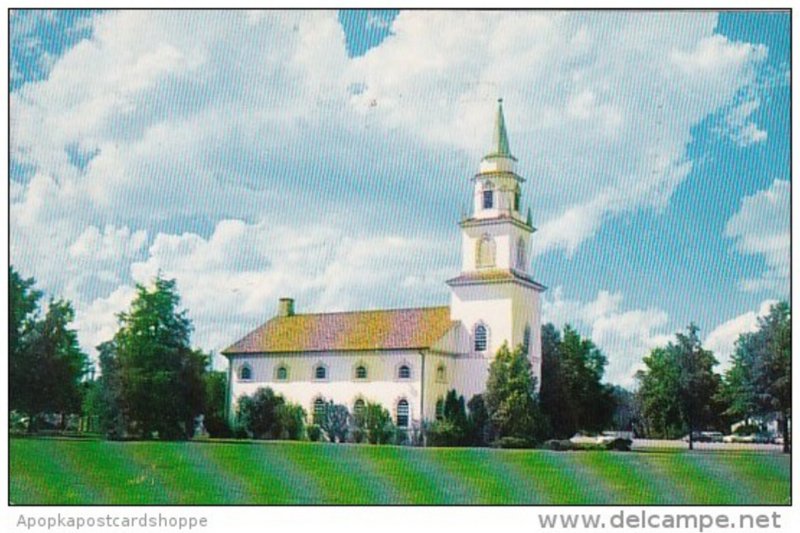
column 46, row 364
column 153, row 384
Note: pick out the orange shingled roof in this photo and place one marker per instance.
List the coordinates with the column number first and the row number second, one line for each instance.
column 355, row 330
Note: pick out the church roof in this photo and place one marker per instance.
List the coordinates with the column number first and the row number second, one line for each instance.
column 496, row 275
column 386, row 329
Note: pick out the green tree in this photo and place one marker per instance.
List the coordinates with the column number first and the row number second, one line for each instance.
column 161, row 376
column 216, row 390
column 573, row 396
column 53, row 366
column 377, row 423
column 511, row 398
column 479, row 433
column 453, row 427
column 23, row 307
column 679, row 388
column 335, row 422
column 259, row 414
column 291, row 418
column 758, row 382
column 104, row 402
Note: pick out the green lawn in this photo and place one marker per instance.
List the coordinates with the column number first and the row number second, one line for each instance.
column 61, row 471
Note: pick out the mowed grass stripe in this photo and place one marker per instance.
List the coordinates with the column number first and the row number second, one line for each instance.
column 554, row 478
column 180, row 469
column 268, row 477
column 488, row 478
column 759, row 476
column 405, row 470
column 682, row 475
column 36, row 478
column 338, row 472
column 106, row 467
column 55, row 471
column 617, row 481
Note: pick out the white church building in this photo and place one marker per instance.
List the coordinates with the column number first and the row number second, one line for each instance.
column 407, row 359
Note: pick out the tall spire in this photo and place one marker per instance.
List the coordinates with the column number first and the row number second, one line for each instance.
column 500, row 146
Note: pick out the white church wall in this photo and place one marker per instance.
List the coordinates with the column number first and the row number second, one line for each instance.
column 382, row 384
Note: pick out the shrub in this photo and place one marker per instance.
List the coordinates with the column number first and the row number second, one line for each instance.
column 314, row 433
column 335, row 422
column 512, row 442
column 259, row 414
column 378, row 424
column 619, row 444
column 292, row 421
column 400, row 436
column 445, row 433
column 558, row 445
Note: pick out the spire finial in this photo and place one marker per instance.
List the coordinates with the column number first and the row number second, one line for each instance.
column 500, row 145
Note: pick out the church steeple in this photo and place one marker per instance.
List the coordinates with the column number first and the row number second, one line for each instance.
column 500, row 146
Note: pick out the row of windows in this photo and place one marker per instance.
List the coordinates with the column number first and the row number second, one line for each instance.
column 320, row 372
column 402, row 411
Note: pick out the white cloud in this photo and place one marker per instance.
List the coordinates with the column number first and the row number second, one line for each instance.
column 722, row 339
column 740, row 128
column 625, row 336
column 210, row 128
column 761, row 227
column 231, row 281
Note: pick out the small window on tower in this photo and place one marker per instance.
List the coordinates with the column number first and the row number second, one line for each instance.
column 488, row 199
column 516, row 199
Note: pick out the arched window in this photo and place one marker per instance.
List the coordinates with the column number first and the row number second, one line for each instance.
column 526, row 340
column 517, row 195
column 481, row 338
column 320, row 372
column 361, row 372
column 245, row 372
column 485, row 252
column 439, row 409
column 441, row 373
column 358, row 408
column 404, row 372
column 488, row 195
column 319, row 410
column 402, row 414
column 521, row 256
column 282, row 373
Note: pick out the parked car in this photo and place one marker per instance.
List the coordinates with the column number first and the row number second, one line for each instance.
column 754, row 438
column 705, row 436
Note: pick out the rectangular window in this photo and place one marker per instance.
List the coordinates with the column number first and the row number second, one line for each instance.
column 488, row 199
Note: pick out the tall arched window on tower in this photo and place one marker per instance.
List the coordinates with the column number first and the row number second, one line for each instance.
column 521, row 255
column 481, row 338
column 485, row 252
column 526, row 340
column 488, row 195
column 517, row 194
column 402, row 414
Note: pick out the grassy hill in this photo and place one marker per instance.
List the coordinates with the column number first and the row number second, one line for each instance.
column 56, row 471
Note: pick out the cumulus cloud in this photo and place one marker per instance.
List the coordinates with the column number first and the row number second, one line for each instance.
column 197, row 130
column 625, row 336
column 722, row 339
column 761, row 227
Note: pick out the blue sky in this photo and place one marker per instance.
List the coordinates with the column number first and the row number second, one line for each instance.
column 327, row 156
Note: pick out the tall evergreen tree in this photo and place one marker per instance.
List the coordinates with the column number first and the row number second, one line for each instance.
column 511, row 398
column 23, row 307
column 161, row 376
column 573, row 396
